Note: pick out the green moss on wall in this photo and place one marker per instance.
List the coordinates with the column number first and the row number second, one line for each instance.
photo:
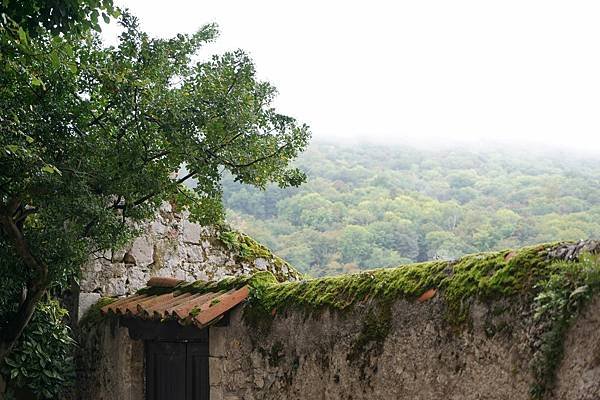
column 249, row 250
column 93, row 316
column 558, row 290
column 484, row 275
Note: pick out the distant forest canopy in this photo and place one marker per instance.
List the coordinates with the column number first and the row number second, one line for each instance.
column 367, row 206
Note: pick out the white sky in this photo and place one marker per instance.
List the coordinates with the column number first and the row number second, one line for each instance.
column 479, row 71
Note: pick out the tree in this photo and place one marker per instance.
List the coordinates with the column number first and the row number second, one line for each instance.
column 90, row 138
column 356, row 244
column 58, row 16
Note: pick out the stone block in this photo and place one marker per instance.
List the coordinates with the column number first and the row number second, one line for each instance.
column 261, row 264
column 216, row 393
column 215, row 370
column 86, row 300
column 142, row 251
column 191, row 232
column 217, row 343
column 195, row 253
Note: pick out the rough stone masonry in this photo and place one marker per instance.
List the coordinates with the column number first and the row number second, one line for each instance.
column 170, row 246
column 315, row 357
column 329, row 355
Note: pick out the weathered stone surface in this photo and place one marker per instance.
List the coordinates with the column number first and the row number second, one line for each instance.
column 578, row 376
column 571, row 251
column 174, row 247
column 322, row 357
column 422, row 357
column 110, row 365
column 86, row 300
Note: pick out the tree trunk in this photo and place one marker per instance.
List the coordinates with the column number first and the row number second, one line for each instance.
column 35, row 288
column 15, row 328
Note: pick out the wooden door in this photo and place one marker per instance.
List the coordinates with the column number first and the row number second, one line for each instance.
column 177, row 371
column 197, row 371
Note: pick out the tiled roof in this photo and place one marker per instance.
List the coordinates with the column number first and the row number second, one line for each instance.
column 200, row 309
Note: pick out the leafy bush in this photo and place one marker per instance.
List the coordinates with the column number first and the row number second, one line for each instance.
column 42, row 362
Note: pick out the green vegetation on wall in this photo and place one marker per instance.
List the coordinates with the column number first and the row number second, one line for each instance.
column 557, row 289
column 563, row 294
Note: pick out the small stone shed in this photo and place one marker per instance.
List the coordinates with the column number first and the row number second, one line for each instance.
column 464, row 329
column 172, row 318
column 171, row 250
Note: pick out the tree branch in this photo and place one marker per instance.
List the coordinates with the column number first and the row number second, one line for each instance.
column 24, row 214
column 150, row 195
column 250, row 163
column 36, row 286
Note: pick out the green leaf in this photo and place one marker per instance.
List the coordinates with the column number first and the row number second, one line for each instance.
column 54, row 58
column 11, row 148
column 11, row 362
column 22, row 35
column 579, row 291
column 35, row 81
column 50, row 169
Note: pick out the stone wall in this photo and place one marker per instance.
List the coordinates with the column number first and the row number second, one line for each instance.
column 422, row 357
column 332, row 356
column 171, row 246
column 110, row 365
column 578, row 376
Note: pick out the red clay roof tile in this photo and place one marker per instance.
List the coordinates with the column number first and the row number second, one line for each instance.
column 201, row 309
column 427, row 295
column 159, row 281
column 220, row 305
column 182, row 311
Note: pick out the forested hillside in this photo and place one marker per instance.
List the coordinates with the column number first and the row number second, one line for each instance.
column 374, row 206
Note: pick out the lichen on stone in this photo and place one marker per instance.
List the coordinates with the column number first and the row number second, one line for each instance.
column 250, row 250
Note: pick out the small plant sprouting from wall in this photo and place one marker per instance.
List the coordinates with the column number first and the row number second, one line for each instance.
column 569, row 286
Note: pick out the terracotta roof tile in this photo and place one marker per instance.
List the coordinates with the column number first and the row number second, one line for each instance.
column 146, row 307
column 219, row 305
column 164, row 282
column 182, row 311
column 201, row 309
column 427, row 295
column 112, row 306
column 159, row 310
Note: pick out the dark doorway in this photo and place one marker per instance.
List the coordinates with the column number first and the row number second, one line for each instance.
column 177, row 370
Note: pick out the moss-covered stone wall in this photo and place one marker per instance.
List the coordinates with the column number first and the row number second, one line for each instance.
column 516, row 324
column 492, row 325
